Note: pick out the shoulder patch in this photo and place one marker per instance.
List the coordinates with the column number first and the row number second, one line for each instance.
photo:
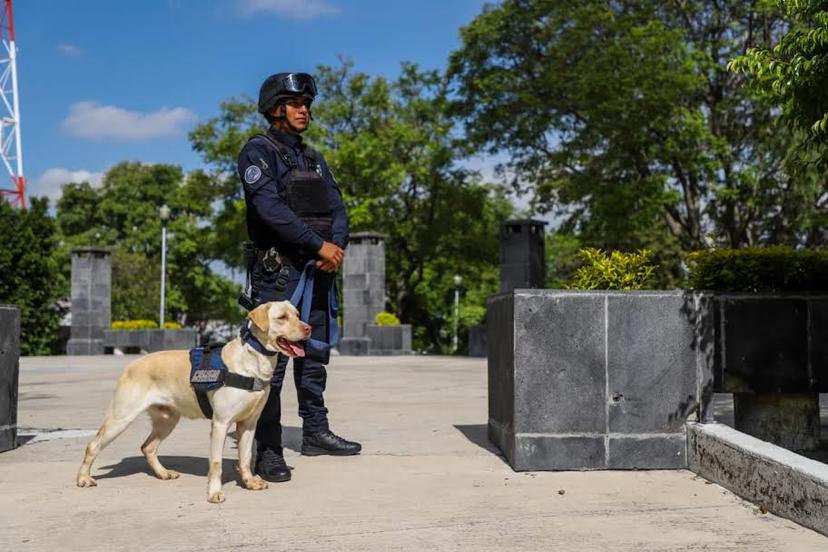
column 252, row 174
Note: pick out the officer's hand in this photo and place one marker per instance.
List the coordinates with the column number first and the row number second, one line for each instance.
column 325, row 266
column 331, row 253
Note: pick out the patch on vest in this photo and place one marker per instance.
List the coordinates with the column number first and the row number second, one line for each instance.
column 252, row 174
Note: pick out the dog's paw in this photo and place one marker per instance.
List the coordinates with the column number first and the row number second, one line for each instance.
column 86, row 481
column 255, row 484
column 216, row 498
column 169, row 474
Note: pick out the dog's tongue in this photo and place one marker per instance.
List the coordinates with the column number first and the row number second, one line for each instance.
column 296, row 349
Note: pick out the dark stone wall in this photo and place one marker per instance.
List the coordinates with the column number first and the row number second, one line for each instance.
column 9, row 373
column 771, row 344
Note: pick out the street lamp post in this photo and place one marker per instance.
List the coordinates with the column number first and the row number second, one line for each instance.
column 164, row 215
column 457, row 281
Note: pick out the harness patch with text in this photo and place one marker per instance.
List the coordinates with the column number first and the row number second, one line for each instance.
column 207, row 371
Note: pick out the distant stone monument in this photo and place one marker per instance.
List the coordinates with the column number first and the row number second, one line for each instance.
column 522, row 266
column 363, row 294
column 363, row 290
column 522, row 255
column 91, row 300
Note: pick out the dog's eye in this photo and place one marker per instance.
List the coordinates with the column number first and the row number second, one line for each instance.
column 282, row 317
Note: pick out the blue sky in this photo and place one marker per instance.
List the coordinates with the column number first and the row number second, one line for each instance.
column 102, row 81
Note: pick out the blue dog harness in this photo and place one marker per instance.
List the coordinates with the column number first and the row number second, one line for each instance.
column 302, row 299
column 208, row 372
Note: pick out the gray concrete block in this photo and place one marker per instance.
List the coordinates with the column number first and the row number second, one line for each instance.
column 559, row 452
column 85, row 347
column 787, row 484
column 651, row 362
column 478, row 341
column 647, row 452
column 152, row 340
column 389, row 340
column 91, row 290
column 9, row 374
column 622, row 368
column 354, row 346
column 560, row 378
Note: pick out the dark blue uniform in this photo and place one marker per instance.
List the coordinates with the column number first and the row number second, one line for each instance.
column 271, row 223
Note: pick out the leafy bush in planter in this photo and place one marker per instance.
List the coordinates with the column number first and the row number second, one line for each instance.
column 143, row 325
column 759, row 269
column 386, row 319
column 617, row 270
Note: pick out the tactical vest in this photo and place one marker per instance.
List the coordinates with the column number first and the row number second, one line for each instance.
column 306, row 192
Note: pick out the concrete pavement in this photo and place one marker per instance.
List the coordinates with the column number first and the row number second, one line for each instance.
column 427, row 480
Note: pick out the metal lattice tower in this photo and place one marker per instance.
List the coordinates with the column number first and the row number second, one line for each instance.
column 11, row 150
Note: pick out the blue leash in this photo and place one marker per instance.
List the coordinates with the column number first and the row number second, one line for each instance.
column 303, row 294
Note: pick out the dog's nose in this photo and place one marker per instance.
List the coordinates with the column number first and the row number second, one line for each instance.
column 306, row 328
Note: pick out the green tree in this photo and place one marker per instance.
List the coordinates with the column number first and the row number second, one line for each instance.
column 794, row 71
column 392, row 147
column 31, row 279
column 123, row 214
column 622, row 117
column 793, row 75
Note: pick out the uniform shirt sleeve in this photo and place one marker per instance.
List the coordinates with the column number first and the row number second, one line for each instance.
column 339, row 215
column 262, row 194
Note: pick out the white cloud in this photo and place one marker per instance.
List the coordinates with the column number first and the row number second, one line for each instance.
column 50, row 183
column 293, row 9
column 69, row 49
column 92, row 120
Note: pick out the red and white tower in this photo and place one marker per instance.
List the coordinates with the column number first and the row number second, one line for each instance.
column 11, row 150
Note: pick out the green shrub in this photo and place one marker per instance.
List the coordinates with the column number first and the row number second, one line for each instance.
column 759, row 269
column 386, row 319
column 143, row 325
column 618, row 270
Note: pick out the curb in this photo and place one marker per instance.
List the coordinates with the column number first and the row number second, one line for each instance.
column 787, row 484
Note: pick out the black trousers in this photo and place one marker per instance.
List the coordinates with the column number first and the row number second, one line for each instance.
column 309, row 376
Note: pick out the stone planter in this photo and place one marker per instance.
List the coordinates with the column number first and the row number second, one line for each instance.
column 597, row 380
column 389, row 340
column 771, row 352
column 151, row 340
column 9, row 373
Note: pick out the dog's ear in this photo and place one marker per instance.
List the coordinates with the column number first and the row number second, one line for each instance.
column 259, row 316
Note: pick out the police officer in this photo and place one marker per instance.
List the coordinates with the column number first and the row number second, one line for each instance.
column 297, row 221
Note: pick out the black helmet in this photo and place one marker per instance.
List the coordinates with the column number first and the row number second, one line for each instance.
column 283, row 85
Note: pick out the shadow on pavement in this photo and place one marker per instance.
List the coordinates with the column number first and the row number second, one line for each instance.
column 292, row 438
column 479, row 435
column 191, row 465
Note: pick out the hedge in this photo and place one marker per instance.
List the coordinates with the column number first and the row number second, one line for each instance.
column 143, row 325
column 771, row 269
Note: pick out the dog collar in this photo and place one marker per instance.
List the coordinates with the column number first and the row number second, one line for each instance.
column 250, row 339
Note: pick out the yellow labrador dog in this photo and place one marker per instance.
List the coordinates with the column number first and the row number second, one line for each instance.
column 159, row 383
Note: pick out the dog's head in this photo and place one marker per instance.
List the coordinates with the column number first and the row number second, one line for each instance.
column 283, row 330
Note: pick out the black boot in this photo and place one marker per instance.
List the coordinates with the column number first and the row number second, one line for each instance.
column 326, row 442
column 270, row 465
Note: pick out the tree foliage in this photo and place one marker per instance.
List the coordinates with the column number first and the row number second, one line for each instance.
column 622, row 118
column 31, row 279
column 123, row 214
column 794, row 71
